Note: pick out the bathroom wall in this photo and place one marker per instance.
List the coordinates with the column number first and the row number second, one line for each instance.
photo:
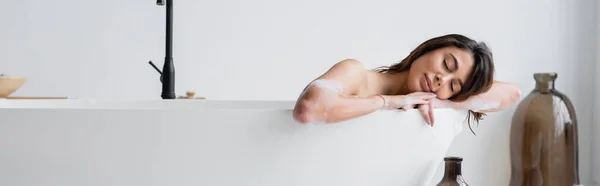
column 596, row 118
column 269, row 49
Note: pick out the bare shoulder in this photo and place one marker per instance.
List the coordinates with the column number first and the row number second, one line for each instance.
column 348, row 67
column 351, row 72
column 373, row 84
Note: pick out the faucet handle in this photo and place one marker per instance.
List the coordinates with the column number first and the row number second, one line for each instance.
column 158, row 70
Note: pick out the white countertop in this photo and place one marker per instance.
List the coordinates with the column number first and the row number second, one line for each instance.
column 144, row 104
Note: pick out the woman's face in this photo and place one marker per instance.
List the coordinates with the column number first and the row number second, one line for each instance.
column 442, row 71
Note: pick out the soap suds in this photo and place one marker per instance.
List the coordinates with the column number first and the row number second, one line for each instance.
column 332, row 85
column 475, row 104
column 330, row 90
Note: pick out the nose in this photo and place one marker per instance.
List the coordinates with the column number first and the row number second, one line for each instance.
column 441, row 80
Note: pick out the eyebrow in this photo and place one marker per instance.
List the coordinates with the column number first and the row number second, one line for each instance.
column 456, row 67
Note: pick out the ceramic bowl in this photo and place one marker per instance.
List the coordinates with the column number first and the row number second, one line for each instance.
column 10, row 84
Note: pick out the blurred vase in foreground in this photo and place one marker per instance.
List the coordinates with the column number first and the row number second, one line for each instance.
column 452, row 173
column 543, row 137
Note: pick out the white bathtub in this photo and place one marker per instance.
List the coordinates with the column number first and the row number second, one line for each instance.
column 214, row 143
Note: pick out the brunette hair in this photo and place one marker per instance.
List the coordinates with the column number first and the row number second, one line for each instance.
column 481, row 79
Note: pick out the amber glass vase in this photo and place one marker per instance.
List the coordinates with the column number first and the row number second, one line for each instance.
column 452, row 173
column 543, row 137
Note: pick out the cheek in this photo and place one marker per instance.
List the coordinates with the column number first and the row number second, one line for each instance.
column 423, row 66
column 413, row 82
column 429, row 66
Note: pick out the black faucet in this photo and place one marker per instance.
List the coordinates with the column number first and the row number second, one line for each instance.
column 167, row 76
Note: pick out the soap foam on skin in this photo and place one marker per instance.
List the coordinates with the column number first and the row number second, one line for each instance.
column 331, row 90
column 332, row 85
column 476, row 104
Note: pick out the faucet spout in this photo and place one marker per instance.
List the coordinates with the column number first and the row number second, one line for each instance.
column 167, row 76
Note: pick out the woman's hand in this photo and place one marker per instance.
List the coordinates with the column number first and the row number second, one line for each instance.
column 422, row 100
column 427, row 110
column 409, row 101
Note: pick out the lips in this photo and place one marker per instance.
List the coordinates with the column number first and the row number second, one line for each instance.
column 426, row 85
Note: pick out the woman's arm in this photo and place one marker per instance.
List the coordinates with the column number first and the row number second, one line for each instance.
column 328, row 98
column 505, row 94
column 334, row 109
column 500, row 96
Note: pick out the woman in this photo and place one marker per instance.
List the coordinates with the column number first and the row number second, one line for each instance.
column 449, row 71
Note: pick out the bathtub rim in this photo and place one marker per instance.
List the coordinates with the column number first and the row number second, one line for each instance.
column 114, row 104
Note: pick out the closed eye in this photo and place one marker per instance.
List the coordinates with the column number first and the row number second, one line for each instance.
column 450, row 71
column 447, row 66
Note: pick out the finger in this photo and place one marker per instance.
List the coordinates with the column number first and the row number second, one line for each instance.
column 427, row 96
column 431, row 113
column 432, row 95
column 424, row 113
column 422, row 93
column 414, row 102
